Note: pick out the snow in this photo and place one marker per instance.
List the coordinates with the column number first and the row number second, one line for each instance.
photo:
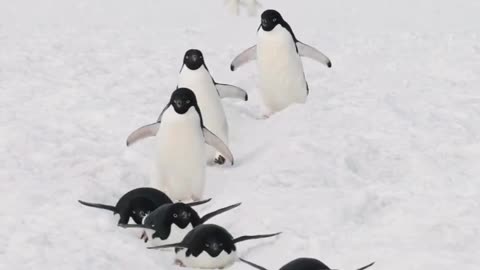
column 381, row 164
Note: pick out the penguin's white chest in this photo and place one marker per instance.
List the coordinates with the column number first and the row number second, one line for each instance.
column 180, row 155
column 201, row 83
column 281, row 76
column 205, row 261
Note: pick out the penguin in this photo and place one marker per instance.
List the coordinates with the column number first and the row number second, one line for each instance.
column 302, row 264
column 162, row 221
column 208, row 246
column 138, row 203
column 281, row 77
column 195, row 75
column 180, row 147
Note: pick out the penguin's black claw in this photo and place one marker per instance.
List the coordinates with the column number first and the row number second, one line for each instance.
column 246, row 97
column 232, row 68
column 329, row 64
column 220, row 160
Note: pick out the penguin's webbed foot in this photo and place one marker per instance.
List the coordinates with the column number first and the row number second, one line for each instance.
column 220, row 160
column 144, row 236
column 179, row 263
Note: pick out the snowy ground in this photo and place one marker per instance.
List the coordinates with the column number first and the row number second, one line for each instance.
column 381, row 164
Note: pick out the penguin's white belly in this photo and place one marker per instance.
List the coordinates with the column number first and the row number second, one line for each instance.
column 204, row 260
column 281, row 76
column 200, row 82
column 181, row 155
column 176, row 235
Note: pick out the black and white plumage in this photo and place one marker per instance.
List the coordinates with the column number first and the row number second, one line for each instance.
column 209, row 246
column 180, row 149
column 278, row 53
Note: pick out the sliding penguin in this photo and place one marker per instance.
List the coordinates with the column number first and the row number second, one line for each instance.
column 195, row 75
column 171, row 222
column 281, row 77
column 209, row 246
column 137, row 203
column 302, row 264
column 180, row 152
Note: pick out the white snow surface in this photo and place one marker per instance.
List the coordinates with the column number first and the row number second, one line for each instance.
column 381, row 164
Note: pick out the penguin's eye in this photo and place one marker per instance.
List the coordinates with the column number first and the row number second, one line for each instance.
column 189, row 214
column 186, row 57
column 220, row 245
column 274, row 19
column 207, row 244
column 153, row 225
column 188, row 101
column 175, row 215
column 141, row 213
column 134, row 212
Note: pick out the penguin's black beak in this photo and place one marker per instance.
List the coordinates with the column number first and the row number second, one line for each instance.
column 178, row 103
column 184, row 215
column 264, row 23
column 214, row 247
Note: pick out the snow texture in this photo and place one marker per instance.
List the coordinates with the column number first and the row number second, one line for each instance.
column 381, row 164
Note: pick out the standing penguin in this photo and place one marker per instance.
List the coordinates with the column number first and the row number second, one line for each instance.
column 194, row 74
column 180, row 154
column 209, row 246
column 302, row 264
column 278, row 51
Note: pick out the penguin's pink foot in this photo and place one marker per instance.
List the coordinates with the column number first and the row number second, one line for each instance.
column 179, row 263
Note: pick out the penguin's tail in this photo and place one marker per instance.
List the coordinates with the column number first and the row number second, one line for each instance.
column 251, row 237
column 253, row 264
column 101, row 206
column 218, row 212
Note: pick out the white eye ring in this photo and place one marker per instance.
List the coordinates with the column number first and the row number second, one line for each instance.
column 153, row 225
column 275, row 19
column 207, row 245
column 175, row 215
column 186, row 57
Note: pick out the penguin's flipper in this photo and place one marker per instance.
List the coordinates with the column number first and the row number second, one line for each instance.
column 310, row 52
column 246, row 56
column 254, row 265
column 143, row 132
column 366, row 266
column 217, row 212
column 251, row 237
column 218, row 144
column 161, row 114
column 231, row 91
column 176, row 245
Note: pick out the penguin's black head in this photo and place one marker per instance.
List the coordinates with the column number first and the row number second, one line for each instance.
column 181, row 214
column 193, row 59
column 140, row 207
column 305, row 264
column 138, row 214
column 270, row 19
column 182, row 99
column 213, row 246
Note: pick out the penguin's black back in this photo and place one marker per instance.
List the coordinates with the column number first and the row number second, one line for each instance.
column 305, row 264
column 145, row 198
